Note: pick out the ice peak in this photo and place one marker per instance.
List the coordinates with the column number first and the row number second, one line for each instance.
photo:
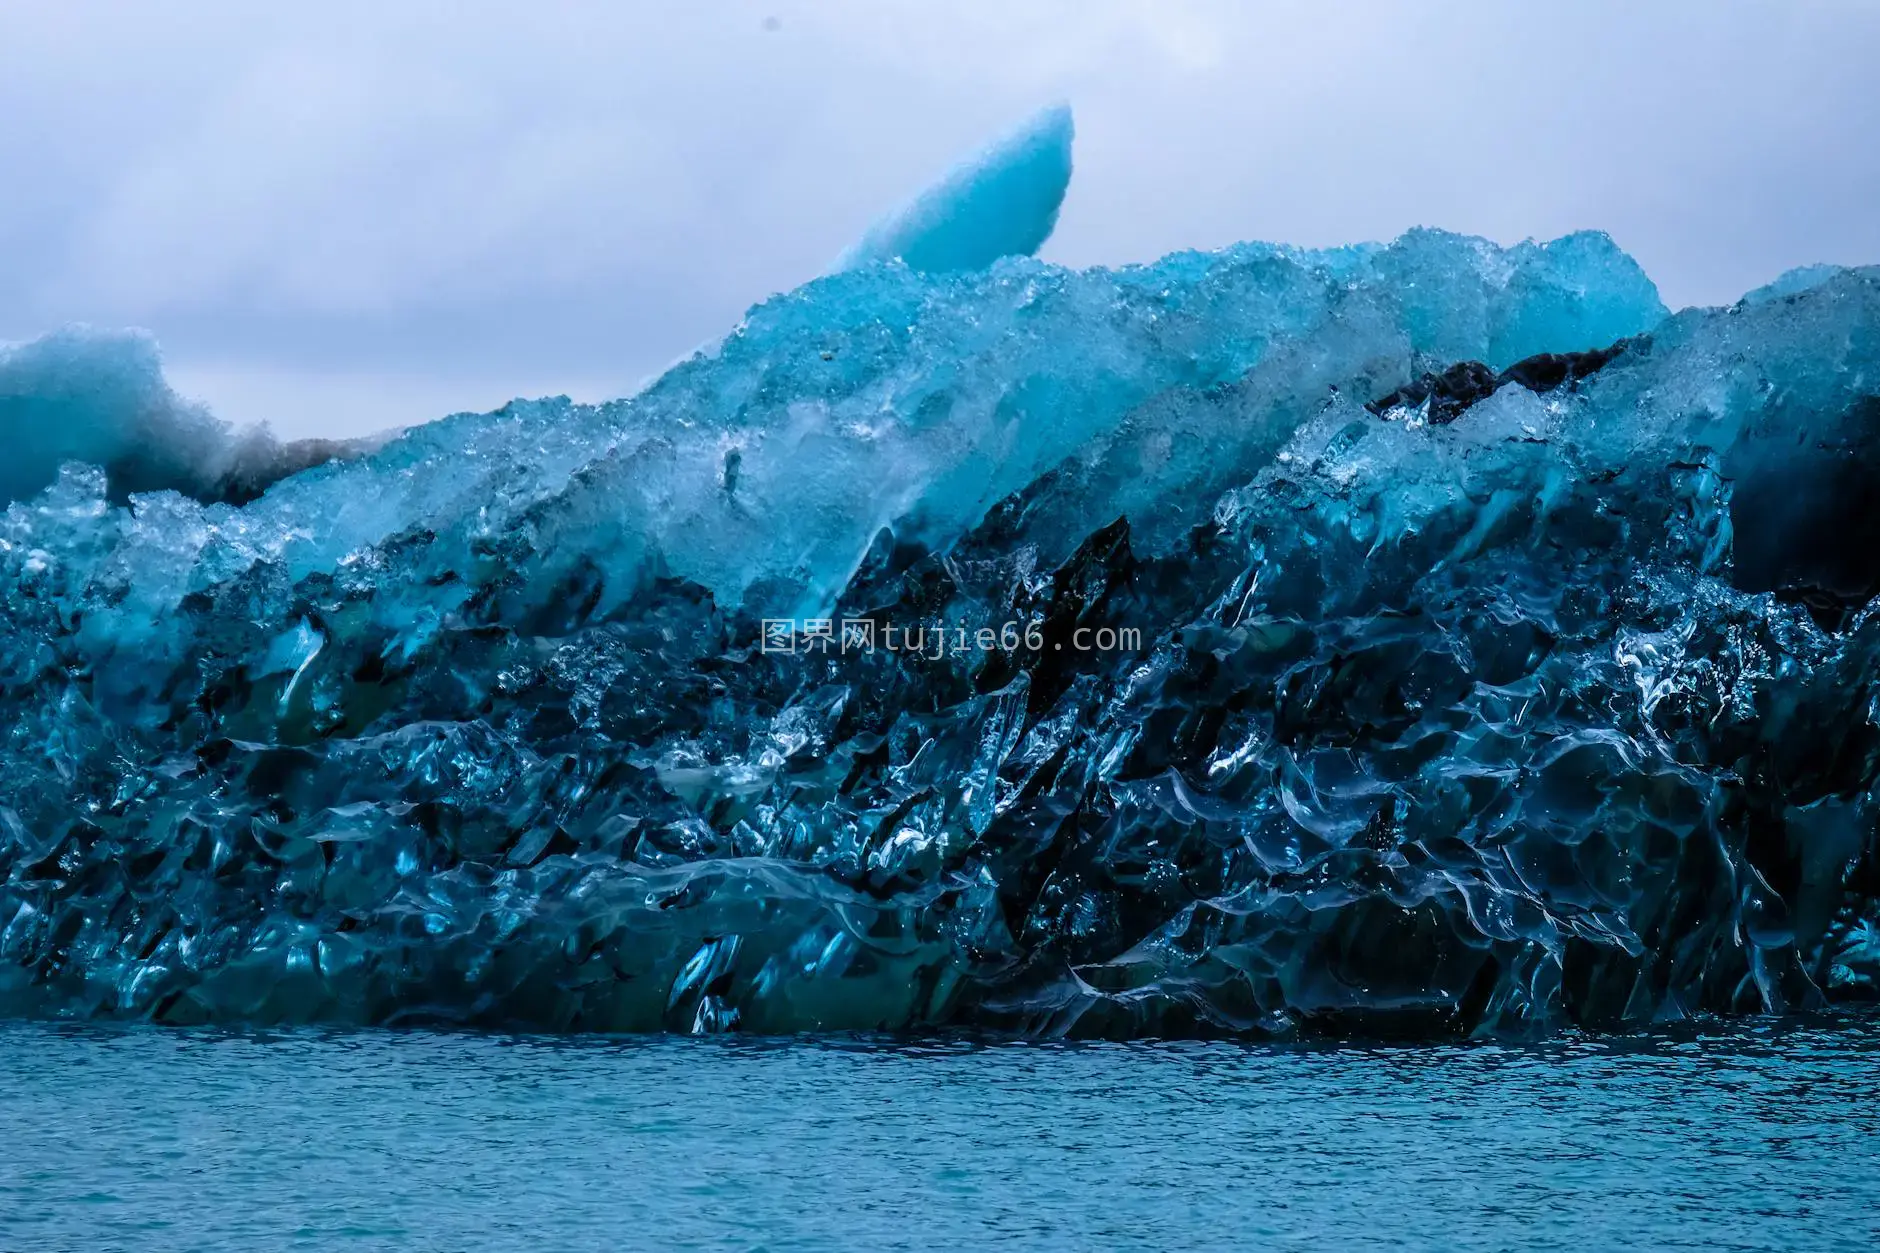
column 1002, row 203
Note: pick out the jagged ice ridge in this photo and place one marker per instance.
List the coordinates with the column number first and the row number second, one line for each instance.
column 1504, row 660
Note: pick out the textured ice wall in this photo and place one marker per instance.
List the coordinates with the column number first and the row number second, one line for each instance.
column 1003, row 203
column 765, row 468
column 1473, row 690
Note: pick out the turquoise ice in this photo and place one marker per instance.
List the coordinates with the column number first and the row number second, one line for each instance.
column 1004, row 203
column 1499, row 657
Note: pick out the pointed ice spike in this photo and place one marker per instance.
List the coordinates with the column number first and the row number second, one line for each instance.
column 1003, row 203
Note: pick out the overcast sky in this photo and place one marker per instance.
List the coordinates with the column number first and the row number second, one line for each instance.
column 340, row 216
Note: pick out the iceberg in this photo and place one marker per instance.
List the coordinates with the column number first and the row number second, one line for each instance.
column 1004, row 203
column 1420, row 638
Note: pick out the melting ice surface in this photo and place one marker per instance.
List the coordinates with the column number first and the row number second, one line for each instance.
column 1493, row 652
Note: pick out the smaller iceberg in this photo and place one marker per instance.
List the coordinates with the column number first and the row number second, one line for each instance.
column 1004, row 203
column 99, row 397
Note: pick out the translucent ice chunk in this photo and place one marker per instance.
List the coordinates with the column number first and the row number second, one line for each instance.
column 100, row 398
column 1003, row 203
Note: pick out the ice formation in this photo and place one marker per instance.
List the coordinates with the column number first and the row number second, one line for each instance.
column 1002, row 204
column 1488, row 651
column 100, row 398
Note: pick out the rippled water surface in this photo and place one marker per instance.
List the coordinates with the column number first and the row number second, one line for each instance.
column 1762, row 1137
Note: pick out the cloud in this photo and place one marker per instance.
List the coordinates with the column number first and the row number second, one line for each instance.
column 407, row 195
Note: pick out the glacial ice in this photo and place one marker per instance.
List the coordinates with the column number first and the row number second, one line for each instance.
column 1003, row 203
column 1505, row 661
column 100, row 398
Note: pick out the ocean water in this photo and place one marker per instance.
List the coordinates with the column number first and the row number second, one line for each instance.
column 1762, row 1136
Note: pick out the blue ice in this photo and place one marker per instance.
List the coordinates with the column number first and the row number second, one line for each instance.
column 1003, row 203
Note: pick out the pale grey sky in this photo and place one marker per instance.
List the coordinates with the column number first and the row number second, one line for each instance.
column 347, row 215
